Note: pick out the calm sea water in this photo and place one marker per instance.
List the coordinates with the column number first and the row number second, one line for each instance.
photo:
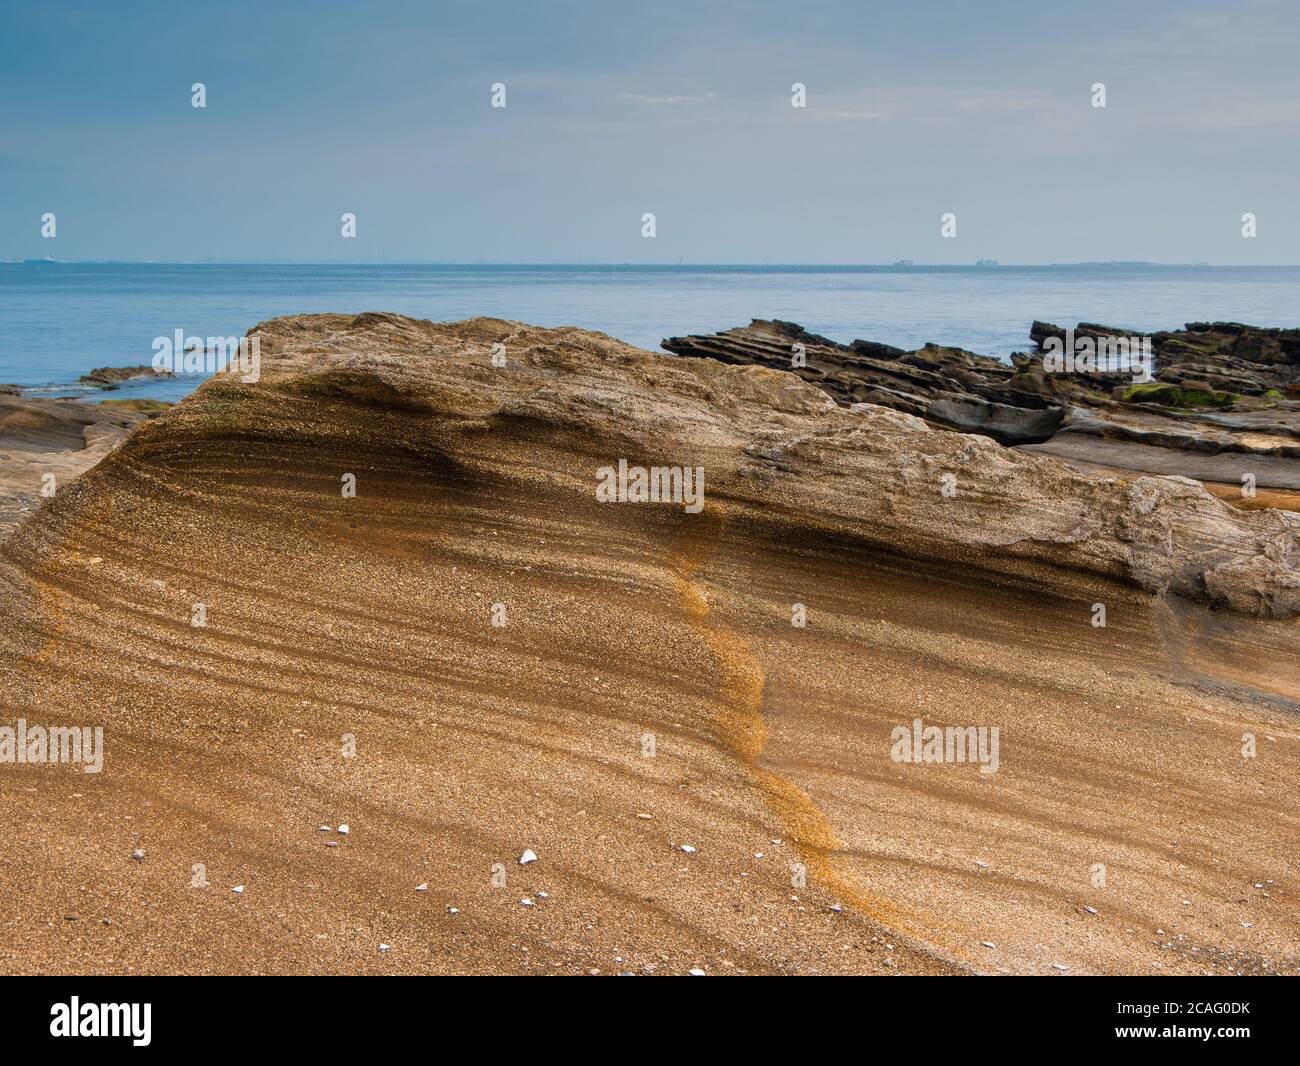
column 59, row 320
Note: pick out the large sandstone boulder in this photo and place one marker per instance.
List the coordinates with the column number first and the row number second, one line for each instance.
column 772, row 446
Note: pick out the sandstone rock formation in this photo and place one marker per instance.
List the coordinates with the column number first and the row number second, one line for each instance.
column 1224, row 404
column 60, row 438
column 418, row 620
column 1229, row 356
column 110, row 377
column 1224, row 408
column 948, row 386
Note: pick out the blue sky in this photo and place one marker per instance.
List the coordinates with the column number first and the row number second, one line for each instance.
column 681, row 109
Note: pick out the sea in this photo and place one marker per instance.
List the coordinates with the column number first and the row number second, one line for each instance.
column 60, row 320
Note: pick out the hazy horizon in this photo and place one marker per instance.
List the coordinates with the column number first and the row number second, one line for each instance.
column 772, row 264
column 912, row 112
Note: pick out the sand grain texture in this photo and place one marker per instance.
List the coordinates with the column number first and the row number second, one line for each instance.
column 368, row 620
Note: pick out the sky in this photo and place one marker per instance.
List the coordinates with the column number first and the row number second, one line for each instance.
column 615, row 109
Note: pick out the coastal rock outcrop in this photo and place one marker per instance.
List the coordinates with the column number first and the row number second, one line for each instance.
column 764, row 439
column 379, row 587
column 45, row 443
column 1226, row 356
column 110, row 377
column 947, row 386
column 1223, row 408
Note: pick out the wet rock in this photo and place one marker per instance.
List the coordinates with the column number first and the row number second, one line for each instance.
column 112, row 376
column 1217, row 388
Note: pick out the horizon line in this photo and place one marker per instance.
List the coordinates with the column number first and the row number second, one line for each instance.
column 992, row 265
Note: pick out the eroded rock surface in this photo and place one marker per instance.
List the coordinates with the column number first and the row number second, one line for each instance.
column 42, row 438
column 948, row 386
column 469, row 657
column 766, row 440
column 1220, row 390
column 1229, row 356
column 110, row 377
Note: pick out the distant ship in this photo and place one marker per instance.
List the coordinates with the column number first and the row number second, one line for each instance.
column 986, row 262
column 904, row 262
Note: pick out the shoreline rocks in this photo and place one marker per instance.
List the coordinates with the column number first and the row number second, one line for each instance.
column 351, row 524
column 1220, row 388
column 1223, row 356
column 110, row 377
column 949, row 387
column 771, row 445
column 58, row 438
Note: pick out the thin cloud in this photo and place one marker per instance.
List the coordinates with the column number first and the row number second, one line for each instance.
column 666, row 101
